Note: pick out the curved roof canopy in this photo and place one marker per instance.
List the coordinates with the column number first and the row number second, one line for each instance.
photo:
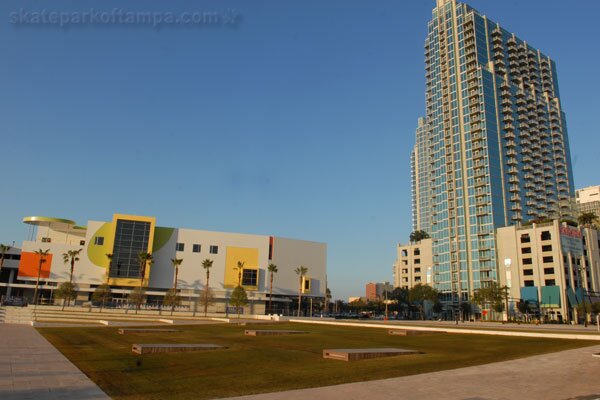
column 57, row 224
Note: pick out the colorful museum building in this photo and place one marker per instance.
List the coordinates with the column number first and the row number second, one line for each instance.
column 110, row 254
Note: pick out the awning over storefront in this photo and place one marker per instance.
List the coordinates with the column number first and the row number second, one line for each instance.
column 572, row 298
column 530, row 294
column 580, row 295
column 550, row 296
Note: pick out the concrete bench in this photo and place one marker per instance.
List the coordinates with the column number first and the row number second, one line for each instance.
column 271, row 332
column 172, row 347
column 363, row 354
column 410, row 332
column 123, row 331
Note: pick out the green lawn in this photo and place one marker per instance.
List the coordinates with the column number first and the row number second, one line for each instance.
column 264, row 364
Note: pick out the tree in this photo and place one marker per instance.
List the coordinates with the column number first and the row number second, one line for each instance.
column 419, row 294
column 71, row 256
column 400, row 296
column 523, row 306
column 101, row 294
column 137, row 297
column 327, row 300
column 110, row 258
column 587, row 219
column 145, row 259
column 238, row 298
column 465, row 309
column 494, row 295
column 207, row 265
column 596, row 308
column 272, row 271
column 176, row 263
column 171, row 299
column 301, row 272
column 67, row 292
column 206, row 298
column 239, row 269
column 417, row 236
column 42, row 254
column 584, row 309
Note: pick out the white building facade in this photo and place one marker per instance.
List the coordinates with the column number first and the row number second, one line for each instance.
column 126, row 236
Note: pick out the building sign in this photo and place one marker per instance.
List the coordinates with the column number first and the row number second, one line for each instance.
column 570, row 240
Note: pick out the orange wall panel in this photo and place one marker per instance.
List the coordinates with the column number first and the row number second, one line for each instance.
column 29, row 264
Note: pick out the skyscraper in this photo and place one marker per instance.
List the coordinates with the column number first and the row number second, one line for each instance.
column 419, row 169
column 495, row 141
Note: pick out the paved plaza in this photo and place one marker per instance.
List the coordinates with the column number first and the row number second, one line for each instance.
column 32, row 368
column 572, row 374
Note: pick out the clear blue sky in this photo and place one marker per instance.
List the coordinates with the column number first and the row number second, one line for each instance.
column 297, row 122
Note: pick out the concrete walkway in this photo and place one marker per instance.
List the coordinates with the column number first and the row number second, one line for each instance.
column 31, row 368
column 572, row 374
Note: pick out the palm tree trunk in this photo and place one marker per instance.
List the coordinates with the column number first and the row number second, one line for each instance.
column 174, row 290
column 299, row 297
column 206, row 293
column 37, row 282
column 271, row 295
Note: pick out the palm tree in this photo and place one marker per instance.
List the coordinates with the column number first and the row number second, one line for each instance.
column 587, row 219
column 71, row 256
column 42, row 254
column 176, row 262
column 207, row 264
column 300, row 271
column 272, row 270
column 110, row 258
column 145, row 259
column 240, row 268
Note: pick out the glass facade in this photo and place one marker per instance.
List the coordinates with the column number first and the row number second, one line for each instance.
column 419, row 165
column 131, row 239
column 495, row 142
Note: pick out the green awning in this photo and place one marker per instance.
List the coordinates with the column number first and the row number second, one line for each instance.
column 529, row 293
column 550, row 296
column 580, row 295
column 572, row 298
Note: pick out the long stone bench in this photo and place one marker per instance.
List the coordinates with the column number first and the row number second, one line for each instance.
column 410, row 332
column 271, row 332
column 363, row 354
column 147, row 348
column 123, row 331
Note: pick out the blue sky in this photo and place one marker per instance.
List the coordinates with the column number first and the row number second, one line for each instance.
column 298, row 121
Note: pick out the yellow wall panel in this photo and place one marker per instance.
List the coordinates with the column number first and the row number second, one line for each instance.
column 247, row 255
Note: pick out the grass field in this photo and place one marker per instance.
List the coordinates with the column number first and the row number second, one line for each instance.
column 265, row 364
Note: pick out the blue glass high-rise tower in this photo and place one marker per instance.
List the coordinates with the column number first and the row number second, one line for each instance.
column 495, row 141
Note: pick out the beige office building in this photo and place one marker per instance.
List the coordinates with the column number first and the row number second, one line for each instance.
column 551, row 265
column 587, row 199
column 414, row 264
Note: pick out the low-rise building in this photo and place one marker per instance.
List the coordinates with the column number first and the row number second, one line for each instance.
column 414, row 264
column 587, row 200
column 552, row 266
column 109, row 254
column 377, row 290
column 8, row 273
